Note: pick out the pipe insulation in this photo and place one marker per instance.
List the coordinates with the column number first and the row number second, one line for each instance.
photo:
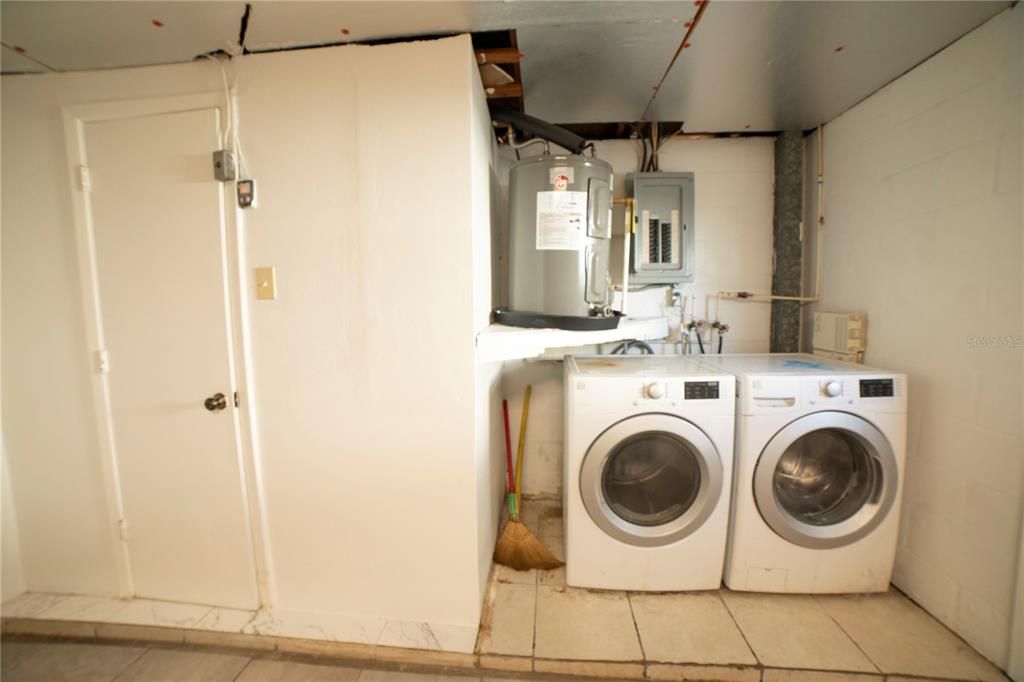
column 530, row 124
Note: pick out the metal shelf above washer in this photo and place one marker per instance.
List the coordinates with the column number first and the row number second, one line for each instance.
column 500, row 342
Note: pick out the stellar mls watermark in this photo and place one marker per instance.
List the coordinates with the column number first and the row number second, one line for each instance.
column 995, row 341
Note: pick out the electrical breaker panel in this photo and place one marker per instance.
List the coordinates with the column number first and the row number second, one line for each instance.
column 662, row 245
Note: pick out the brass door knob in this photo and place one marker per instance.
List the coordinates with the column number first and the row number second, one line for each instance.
column 216, row 402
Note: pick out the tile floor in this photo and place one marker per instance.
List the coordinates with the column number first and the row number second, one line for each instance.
column 719, row 635
column 47, row 661
column 533, row 627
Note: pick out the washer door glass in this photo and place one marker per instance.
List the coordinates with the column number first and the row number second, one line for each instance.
column 826, row 480
column 651, row 480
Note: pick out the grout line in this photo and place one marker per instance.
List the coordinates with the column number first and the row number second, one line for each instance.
column 636, row 628
column 145, row 650
column 244, row 668
column 739, row 628
column 848, row 635
column 533, row 641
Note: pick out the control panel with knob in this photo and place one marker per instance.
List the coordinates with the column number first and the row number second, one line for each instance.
column 654, row 391
column 833, row 388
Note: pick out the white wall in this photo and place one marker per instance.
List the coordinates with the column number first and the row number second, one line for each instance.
column 12, row 578
column 370, row 432
column 924, row 233
column 734, row 184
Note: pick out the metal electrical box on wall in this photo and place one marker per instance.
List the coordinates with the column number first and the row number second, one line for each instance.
column 662, row 247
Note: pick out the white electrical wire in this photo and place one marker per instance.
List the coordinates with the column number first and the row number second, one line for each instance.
column 230, row 138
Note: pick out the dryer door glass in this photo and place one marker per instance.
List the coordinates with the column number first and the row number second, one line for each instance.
column 826, row 480
column 825, row 477
column 651, row 478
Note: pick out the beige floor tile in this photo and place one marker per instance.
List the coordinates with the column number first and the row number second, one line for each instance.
column 702, row 673
column 777, row 675
column 393, row 676
column 793, row 631
column 688, row 628
column 13, row 654
column 92, row 609
column 158, row 665
column 510, row 627
column 30, row 604
column 504, row 574
column 78, row 662
column 582, row 625
column 519, row 664
column 159, row 613
column 593, row 669
column 225, row 620
column 286, row 671
column 901, row 638
column 552, row 578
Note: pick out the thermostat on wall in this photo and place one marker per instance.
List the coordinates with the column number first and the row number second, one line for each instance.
column 246, row 193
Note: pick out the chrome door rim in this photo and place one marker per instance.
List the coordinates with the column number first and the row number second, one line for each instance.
column 850, row 530
column 592, row 469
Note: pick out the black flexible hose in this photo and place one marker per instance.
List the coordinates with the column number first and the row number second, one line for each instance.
column 720, row 340
column 700, row 343
column 530, row 124
column 623, row 348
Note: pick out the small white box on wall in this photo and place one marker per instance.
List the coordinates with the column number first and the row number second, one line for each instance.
column 840, row 335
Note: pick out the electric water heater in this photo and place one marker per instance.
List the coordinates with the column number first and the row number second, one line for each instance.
column 560, row 217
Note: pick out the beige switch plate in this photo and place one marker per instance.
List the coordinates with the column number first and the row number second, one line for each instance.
column 266, row 284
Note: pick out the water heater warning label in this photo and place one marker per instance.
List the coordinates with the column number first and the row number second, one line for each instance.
column 561, row 220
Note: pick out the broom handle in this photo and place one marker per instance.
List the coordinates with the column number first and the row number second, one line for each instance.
column 522, row 443
column 508, row 458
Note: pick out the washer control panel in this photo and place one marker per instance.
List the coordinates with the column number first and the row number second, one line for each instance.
column 700, row 390
column 876, row 388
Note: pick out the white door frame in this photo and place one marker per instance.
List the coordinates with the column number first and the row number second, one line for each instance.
column 75, row 118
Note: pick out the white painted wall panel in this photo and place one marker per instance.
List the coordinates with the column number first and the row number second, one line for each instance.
column 924, row 233
column 369, row 432
column 11, row 573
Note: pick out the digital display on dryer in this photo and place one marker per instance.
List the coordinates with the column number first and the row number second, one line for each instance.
column 876, row 388
column 700, row 390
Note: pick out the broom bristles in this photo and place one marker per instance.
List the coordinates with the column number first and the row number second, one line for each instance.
column 520, row 549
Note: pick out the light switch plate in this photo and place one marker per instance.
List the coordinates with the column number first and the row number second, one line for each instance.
column 266, row 284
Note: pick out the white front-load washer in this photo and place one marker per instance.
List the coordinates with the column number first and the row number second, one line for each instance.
column 648, row 466
column 820, row 450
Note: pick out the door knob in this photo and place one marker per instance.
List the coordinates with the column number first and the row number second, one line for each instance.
column 216, row 402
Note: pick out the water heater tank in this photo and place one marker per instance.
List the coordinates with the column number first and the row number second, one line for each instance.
column 560, row 233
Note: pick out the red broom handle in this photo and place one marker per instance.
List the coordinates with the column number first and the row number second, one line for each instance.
column 508, row 449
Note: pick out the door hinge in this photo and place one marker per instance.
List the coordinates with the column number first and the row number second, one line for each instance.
column 84, row 179
column 236, row 398
column 122, row 527
column 103, row 361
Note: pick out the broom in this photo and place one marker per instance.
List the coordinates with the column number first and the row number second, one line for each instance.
column 517, row 547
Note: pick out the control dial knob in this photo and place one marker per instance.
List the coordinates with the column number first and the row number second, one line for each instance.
column 654, row 391
column 833, row 389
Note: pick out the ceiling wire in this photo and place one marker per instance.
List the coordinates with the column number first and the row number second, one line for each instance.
column 683, row 44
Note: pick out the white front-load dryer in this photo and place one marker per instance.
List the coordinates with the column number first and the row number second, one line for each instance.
column 648, row 466
column 820, row 450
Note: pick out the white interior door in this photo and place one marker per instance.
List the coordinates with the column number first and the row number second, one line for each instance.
column 158, row 221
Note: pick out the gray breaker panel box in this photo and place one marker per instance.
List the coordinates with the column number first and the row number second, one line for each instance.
column 662, row 247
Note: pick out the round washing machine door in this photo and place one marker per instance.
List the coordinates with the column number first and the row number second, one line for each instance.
column 826, row 480
column 651, row 480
